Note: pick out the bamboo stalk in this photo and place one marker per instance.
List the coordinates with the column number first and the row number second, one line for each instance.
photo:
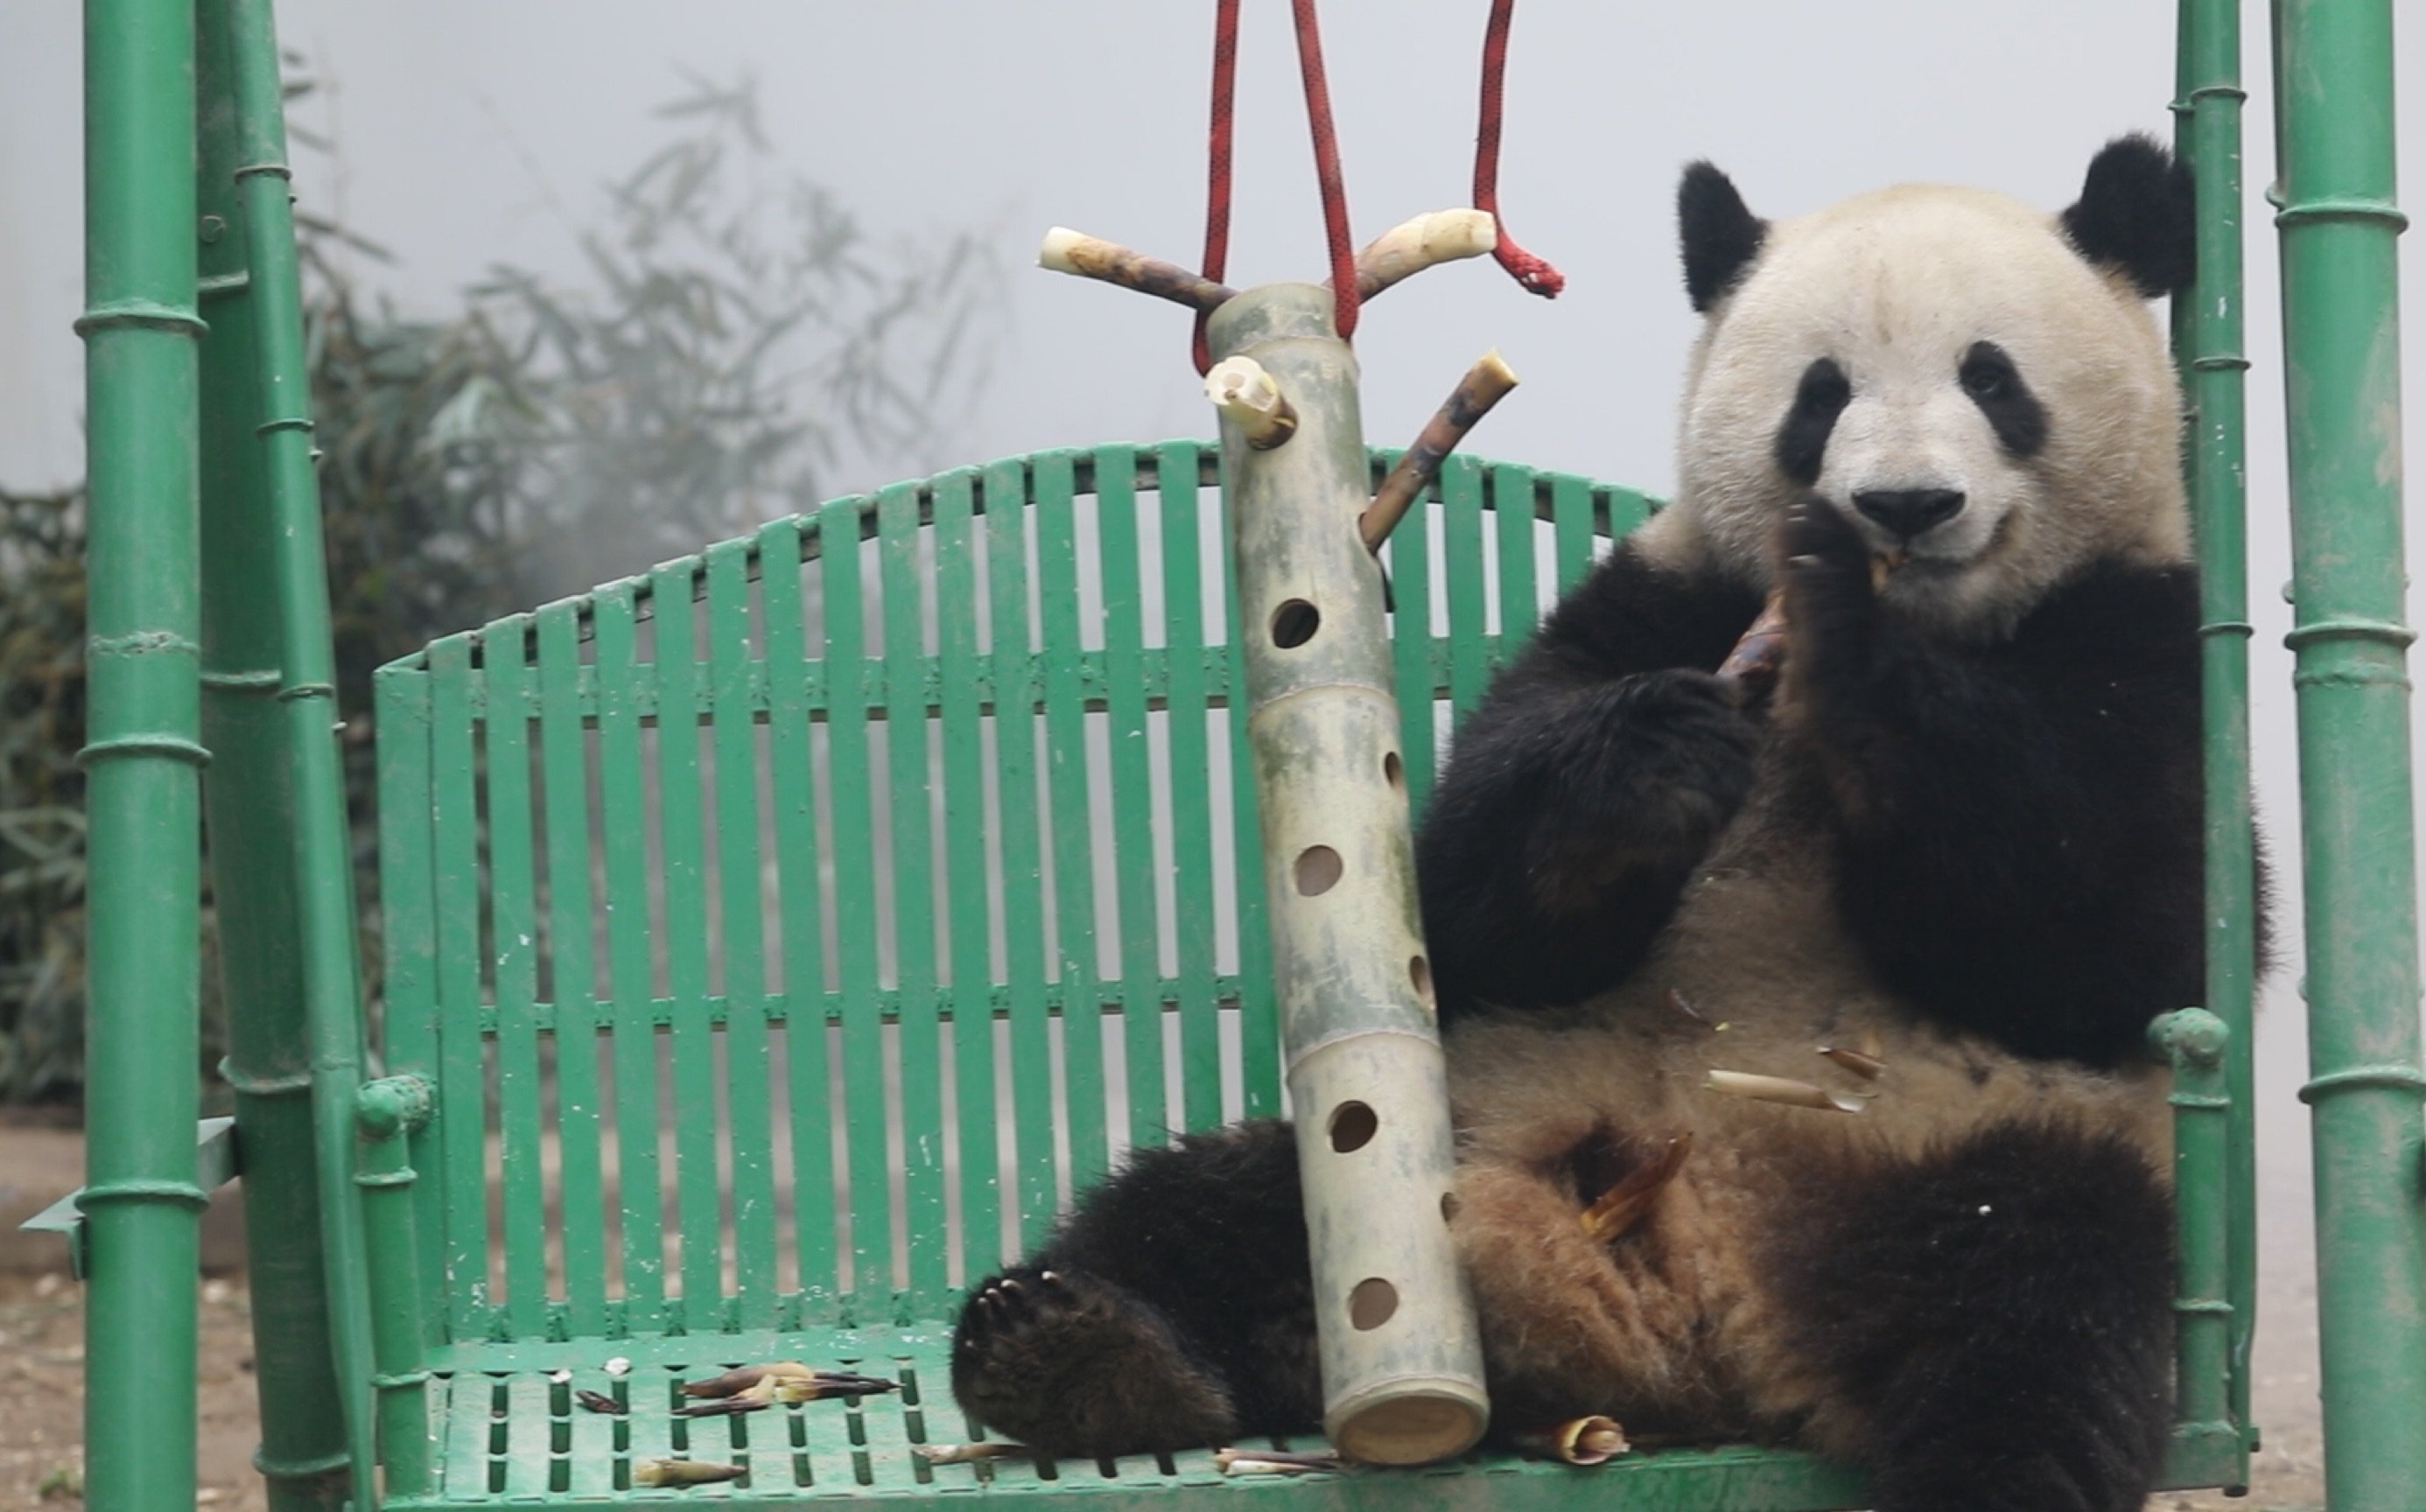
column 1248, row 398
column 1414, row 245
column 1484, row 385
column 1090, row 257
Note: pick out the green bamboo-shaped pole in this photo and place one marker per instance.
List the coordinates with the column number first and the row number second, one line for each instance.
column 1401, row 1357
column 2208, row 322
column 320, row 854
column 142, row 804
column 246, row 803
column 2342, row 377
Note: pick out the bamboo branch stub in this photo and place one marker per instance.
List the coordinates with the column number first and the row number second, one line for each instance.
column 1090, row 257
column 1249, row 399
column 1484, row 385
column 1412, row 245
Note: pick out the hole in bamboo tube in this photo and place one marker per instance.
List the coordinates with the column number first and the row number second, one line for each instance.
column 1294, row 624
column 1318, row 871
column 1352, row 1126
column 1449, row 1207
column 1372, row 1304
column 1419, row 974
column 1394, row 772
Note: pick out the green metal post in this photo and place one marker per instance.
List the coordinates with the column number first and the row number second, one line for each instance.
column 1401, row 1354
column 2196, row 1042
column 143, row 809
column 2208, row 345
column 389, row 1110
column 246, row 803
column 306, row 698
column 2342, row 376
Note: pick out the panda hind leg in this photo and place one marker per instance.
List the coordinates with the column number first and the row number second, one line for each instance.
column 1075, row 1365
column 1997, row 1316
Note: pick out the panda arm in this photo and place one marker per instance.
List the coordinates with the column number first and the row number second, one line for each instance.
column 2018, row 825
column 1580, row 793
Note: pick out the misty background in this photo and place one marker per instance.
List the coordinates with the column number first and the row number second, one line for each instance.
column 462, row 136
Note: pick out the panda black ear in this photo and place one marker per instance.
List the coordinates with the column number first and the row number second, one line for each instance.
column 1719, row 236
column 2135, row 213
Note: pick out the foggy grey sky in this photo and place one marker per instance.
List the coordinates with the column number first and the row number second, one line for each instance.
column 474, row 133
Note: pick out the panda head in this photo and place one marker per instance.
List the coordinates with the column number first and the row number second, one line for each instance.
column 1977, row 385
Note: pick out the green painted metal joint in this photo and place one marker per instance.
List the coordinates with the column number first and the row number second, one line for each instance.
column 393, row 1106
column 2192, row 1038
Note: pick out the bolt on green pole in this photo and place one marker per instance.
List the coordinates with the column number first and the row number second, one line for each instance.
column 140, row 1196
column 2209, row 348
column 248, row 810
column 1401, row 1352
column 320, row 851
column 2342, row 377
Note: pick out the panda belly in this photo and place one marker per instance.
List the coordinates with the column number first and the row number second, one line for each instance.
column 1699, row 1320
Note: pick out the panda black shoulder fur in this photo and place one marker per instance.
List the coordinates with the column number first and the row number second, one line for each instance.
column 1960, row 841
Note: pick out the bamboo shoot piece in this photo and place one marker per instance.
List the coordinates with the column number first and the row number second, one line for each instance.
column 683, row 1472
column 1622, row 1206
column 1090, row 257
column 1587, row 1440
column 1760, row 655
column 1412, row 245
column 1783, row 1089
column 1484, row 385
column 1248, row 398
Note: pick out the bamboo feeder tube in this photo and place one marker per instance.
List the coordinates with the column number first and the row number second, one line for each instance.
column 1400, row 1353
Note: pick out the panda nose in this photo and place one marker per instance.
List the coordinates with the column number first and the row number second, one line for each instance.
column 1910, row 511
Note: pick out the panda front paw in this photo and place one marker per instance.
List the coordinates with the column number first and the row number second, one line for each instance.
column 1074, row 1365
column 1832, row 603
column 1655, row 765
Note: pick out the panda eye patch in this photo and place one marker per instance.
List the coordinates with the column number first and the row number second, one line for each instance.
column 1802, row 437
column 1995, row 384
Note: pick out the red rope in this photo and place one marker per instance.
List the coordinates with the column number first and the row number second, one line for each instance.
column 1532, row 272
column 1326, row 167
column 1216, row 189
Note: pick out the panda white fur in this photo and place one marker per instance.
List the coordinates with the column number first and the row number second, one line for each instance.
column 1957, row 846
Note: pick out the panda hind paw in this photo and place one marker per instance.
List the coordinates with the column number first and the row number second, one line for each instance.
column 1076, row 1366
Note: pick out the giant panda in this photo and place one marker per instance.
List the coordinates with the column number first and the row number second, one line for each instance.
column 1833, row 978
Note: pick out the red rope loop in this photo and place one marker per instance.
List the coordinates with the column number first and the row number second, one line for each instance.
column 1326, row 168
column 1530, row 270
column 1216, row 188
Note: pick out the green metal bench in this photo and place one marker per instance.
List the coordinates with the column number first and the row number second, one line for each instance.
column 782, row 936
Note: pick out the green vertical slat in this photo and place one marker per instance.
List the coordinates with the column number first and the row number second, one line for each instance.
column 1259, row 1029
column 1191, row 818
column 1074, row 826
column 854, row 849
column 697, row 1202
column 565, row 802
column 1512, row 511
column 789, row 706
column 1411, row 649
column 1141, row 997
column 1016, row 697
column 513, row 927
column 971, row 1000
column 736, row 744
column 1571, row 528
column 1469, row 647
column 914, row 897
column 408, row 920
column 461, row 1078
column 623, row 798
column 1627, row 510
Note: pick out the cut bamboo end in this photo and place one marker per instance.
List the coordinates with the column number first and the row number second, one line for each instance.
column 1412, row 245
column 1485, row 383
column 1090, row 257
column 1248, row 398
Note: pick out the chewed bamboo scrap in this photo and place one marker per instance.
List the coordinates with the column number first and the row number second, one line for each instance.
column 785, row 1380
column 600, row 1402
column 970, row 1454
column 683, row 1472
column 1587, row 1440
column 1883, row 566
column 1622, row 1206
column 1275, row 1461
column 1861, row 1063
column 1783, row 1089
column 1760, row 653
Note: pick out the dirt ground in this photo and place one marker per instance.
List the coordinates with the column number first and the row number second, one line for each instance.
column 42, row 1354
